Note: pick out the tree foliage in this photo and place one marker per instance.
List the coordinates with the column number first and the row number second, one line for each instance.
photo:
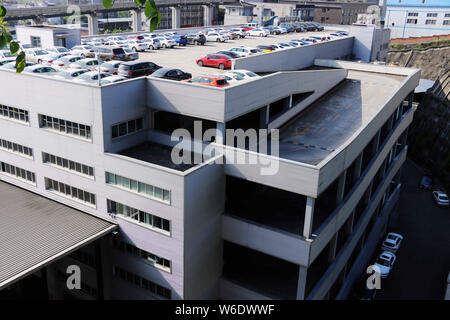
column 6, row 41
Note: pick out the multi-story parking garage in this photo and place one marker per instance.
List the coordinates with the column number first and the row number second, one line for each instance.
column 300, row 223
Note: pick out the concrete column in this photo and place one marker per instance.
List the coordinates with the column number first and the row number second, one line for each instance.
column 341, row 187
column 176, row 17
column 136, row 20
column 350, row 223
column 333, row 247
column 92, row 24
column 220, row 133
column 290, row 101
column 309, row 217
column 376, row 143
column 368, row 194
column 358, row 167
column 264, row 117
column 301, row 285
column 207, row 15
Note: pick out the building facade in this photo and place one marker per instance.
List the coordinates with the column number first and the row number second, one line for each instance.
column 417, row 18
column 298, row 224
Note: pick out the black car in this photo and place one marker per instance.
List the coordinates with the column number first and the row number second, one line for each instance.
column 298, row 27
column 273, row 31
column 171, row 74
column 231, row 54
column 196, row 39
column 135, row 69
column 318, row 26
column 426, row 183
column 308, row 26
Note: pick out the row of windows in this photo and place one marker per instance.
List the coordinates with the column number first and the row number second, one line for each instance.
column 18, row 172
column 68, row 164
column 68, row 127
column 429, row 14
column 69, row 191
column 138, row 187
column 17, row 148
column 160, row 224
column 127, row 127
column 142, row 282
column 155, row 260
column 14, row 113
column 414, row 21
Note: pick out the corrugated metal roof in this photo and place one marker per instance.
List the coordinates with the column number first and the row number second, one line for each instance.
column 35, row 231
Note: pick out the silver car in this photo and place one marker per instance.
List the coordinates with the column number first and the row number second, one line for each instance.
column 69, row 74
column 90, row 77
column 36, row 55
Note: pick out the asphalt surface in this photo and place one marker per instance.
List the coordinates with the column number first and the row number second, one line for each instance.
column 423, row 261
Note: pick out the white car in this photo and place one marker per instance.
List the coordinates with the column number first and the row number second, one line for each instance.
column 112, row 79
column 65, row 61
column 81, row 50
column 231, row 77
column 166, row 42
column 214, row 36
column 241, row 32
column 392, row 242
column 36, row 55
column 119, row 43
column 87, row 63
column 116, row 38
column 245, row 51
column 246, row 74
column 69, row 73
column 110, row 67
column 49, row 59
column 258, row 32
column 137, row 45
column 90, row 77
column 440, row 198
column 4, row 61
column 57, row 49
column 385, row 263
column 280, row 29
column 39, row 68
column 6, row 54
column 152, row 43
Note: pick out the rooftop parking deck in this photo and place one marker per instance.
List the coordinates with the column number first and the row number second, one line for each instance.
column 331, row 121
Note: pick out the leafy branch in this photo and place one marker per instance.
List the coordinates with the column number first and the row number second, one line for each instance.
column 150, row 10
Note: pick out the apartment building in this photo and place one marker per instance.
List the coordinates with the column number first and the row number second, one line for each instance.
column 300, row 223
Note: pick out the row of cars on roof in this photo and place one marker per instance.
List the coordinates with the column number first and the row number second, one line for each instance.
column 222, row 59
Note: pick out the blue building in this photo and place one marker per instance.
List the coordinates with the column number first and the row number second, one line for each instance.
column 417, row 18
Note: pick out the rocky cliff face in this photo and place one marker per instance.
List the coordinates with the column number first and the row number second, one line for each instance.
column 432, row 61
column 429, row 134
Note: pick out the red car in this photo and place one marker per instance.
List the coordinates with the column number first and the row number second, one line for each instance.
column 247, row 28
column 214, row 60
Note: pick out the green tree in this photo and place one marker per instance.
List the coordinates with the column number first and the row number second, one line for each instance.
column 150, row 9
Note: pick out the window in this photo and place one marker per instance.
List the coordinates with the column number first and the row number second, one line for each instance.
column 64, row 126
column 35, row 42
column 446, row 22
column 153, row 259
column 154, row 222
column 142, row 282
column 127, row 127
column 432, row 15
column 70, row 192
column 17, row 173
column 413, row 14
column 411, row 21
column 16, row 148
column 14, row 113
column 67, row 164
column 138, row 187
column 430, row 21
column 447, row 15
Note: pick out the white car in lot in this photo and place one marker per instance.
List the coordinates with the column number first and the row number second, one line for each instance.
column 36, row 55
column 69, row 74
column 166, row 42
column 57, row 50
column 39, row 68
column 87, row 63
column 215, row 36
column 81, row 50
column 440, row 198
column 280, row 29
column 231, row 77
column 241, row 32
column 110, row 67
column 49, row 59
column 246, row 74
column 90, row 77
column 6, row 54
column 4, row 61
column 385, row 263
column 258, row 32
column 65, row 61
column 392, row 242
column 116, row 38
column 112, row 79
column 137, row 45
column 245, row 51
column 152, row 44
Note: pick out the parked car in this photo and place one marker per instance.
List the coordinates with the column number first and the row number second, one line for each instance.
column 110, row 67
column 426, row 183
column 137, row 69
column 245, row 51
column 130, row 54
column 86, row 63
column 215, row 60
column 82, row 50
column 239, row 31
column 219, row 82
column 167, row 42
column 12, row 65
column 279, row 29
column 440, row 198
column 231, row 77
column 265, row 48
column 116, row 38
column 112, row 79
column 171, row 74
column 90, row 77
column 214, row 36
column 258, row 32
column 137, row 45
column 231, row 54
column 6, row 60
column 246, row 74
column 49, row 59
column 342, row 32
column 385, row 263
column 180, row 39
column 107, row 53
column 65, row 61
column 272, row 30
column 152, row 43
column 196, row 39
column 309, row 26
column 136, row 37
column 57, row 49
column 318, row 26
column 36, row 55
column 284, row 45
column 6, row 54
column 118, row 43
column 39, row 68
column 229, row 35
column 69, row 73
column 392, row 242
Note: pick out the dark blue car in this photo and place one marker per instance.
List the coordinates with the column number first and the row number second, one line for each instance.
column 181, row 40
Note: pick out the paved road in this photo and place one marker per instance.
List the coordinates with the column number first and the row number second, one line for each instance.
column 424, row 258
